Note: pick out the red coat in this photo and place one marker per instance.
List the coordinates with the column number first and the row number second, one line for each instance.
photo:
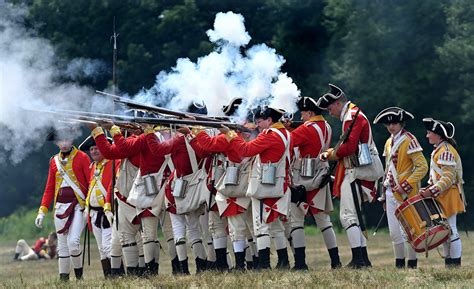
column 80, row 167
column 112, row 152
column 359, row 134
column 149, row 162
column 175, row 146
column 271, row 148
column 307, row 139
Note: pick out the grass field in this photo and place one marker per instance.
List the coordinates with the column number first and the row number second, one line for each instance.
column 431, row 272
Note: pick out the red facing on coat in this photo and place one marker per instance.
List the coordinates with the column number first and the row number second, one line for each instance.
column 81, row 169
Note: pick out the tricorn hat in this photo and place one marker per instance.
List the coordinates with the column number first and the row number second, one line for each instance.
column 232, row 107
column 268, row 111
column 197, row 107
column 89, row 142
column 444, row 129
column 307, row 103
column 393, row 115
column 334, row 94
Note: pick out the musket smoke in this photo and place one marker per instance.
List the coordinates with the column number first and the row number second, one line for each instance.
column 29, row 79
column 226, row 73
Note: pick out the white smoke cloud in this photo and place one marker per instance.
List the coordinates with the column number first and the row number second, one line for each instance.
column 225, row 74
column 29, row 75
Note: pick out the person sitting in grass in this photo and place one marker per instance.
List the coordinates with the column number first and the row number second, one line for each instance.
column 45, row 248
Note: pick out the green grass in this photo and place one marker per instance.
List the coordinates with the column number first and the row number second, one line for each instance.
column 431, row 272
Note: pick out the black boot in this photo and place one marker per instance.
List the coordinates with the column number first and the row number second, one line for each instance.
column 151, row 268
column 239, row 261
column 334, row 255
column 300, row 259
column 201, row 265
column 412, row 264
column 264, row 259
column 365, row 257
column 106, row 267
column 131, row 271
column 175, row 266
column 447, row 262
column 455, row 262
column 357, row 261
column 78, row 273
column 283, row 262
column 400, row 263
column 16, row 257
column 121, row 270
column 221, row 260
column 184, row 268
column 64, row 277
column 255, row 262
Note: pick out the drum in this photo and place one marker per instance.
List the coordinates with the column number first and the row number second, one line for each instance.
column 424, row 223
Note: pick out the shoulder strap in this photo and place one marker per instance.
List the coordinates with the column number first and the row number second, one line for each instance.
column 192, row 155
column 286, row 142
column 66, row 177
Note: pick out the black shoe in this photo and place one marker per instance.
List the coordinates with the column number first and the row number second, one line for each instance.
column 412, row 264
column 151, row 268
column 400, row 263
column 283, row 262
column 454, row 262
column 239, row 261
column 201, row 265
column 16, row 257
column 184, row 268
column 78, row 273
column 64, row 277
column 106, row 267
column 357, row 261
column 334, row 255
column 264, row 259
column 447, row 262
column 365, row 257
column 300, row 259
column 175, row 266
column 131, row 271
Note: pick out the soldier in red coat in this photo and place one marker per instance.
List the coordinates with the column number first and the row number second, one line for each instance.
column 67, row 185
column 272, row 150
column 346, row 184
column 234, row 209
column 187, row 158
column 126, row 234
column 310, row 139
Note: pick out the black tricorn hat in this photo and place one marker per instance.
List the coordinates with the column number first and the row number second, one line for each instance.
column 307, row 103
column 268, row 111
column 197, row 107
column 88, row 143
column 393, row 115
column 232, row 107
column 61, row 133
column 334, row 94
column 444, row 129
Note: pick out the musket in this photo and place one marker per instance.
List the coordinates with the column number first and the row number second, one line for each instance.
column 152, row 108
column 327, row 177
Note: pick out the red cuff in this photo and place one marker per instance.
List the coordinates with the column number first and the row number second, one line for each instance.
column 434, row 190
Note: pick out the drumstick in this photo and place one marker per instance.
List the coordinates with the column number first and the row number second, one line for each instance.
column 380, row 222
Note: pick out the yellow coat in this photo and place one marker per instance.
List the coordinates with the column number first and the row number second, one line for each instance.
column 446, row 179
column 409, row 162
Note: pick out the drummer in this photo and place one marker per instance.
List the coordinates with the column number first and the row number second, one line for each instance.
column 405, row 167
column 445, row 183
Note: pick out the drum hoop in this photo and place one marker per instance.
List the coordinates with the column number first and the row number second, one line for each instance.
column 436, row 229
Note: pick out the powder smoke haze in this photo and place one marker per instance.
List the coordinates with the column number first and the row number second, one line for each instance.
column 29, row 73
column 225, row 74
